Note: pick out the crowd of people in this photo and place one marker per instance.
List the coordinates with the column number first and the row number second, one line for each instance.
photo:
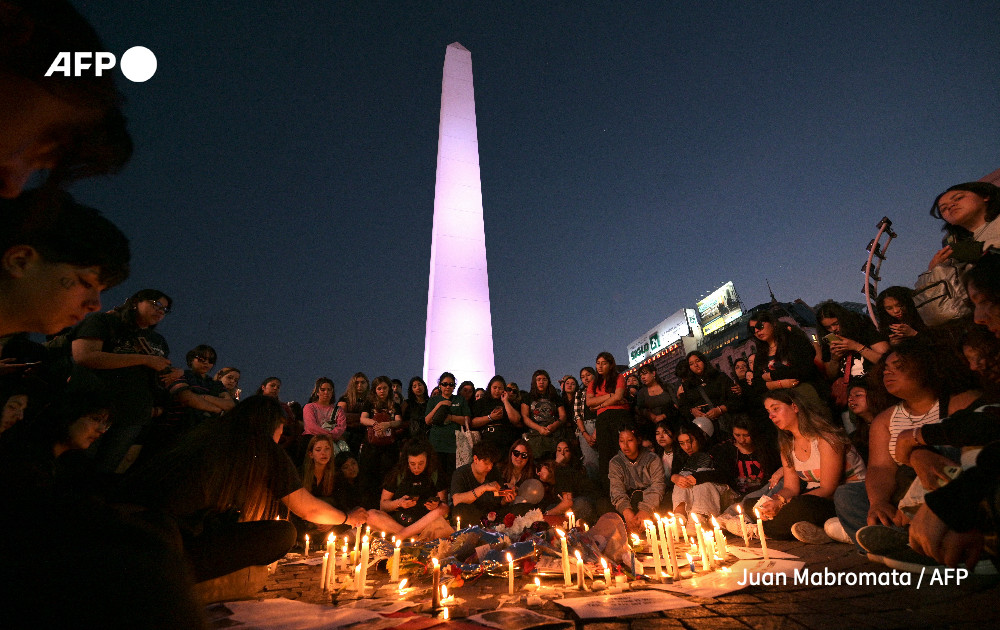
column 880, row 434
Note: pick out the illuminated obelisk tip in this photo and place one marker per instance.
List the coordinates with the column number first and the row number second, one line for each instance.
column 459, row 335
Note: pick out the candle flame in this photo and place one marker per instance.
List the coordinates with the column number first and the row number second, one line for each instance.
column 444, row 613
column 604, row 563
column 578, row 556
column 383, row 534
column 444, row 592
column 330, row 538
column 402, row 585
column 715, row 523
column 757, row 512
column 435, row 561
column 694, row 519
column 561, row 532
column 656, row 516
column 509, row 558
column 538, row 582
column 398, row 543
column 739, row 508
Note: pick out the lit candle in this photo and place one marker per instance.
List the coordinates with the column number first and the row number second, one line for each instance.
column 383, row 535
column 510, row 576
column 346, row 563
column 720, row 539
column 572, row 519
column 331, row 569
column 706, row 554
column 395, row 563
column 435, row 584
column 579, row 570
column 331, row 546
column 690, row 562
column 402, row 586
column 458, row 522
column 365, row 550
column 607, row 572
column 684, row 531
column 651, row 535
column 660, row 525
column 760, row 532
column 675, row 569
column 709, row 562
column 567, row 579
column 586, row 527
column 306, row 553
column 743, row 525
column 322, row 574
column 357, row 544
column 699, row 535
column 357, row 578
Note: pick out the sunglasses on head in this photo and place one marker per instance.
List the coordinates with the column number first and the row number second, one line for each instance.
column 521, row 454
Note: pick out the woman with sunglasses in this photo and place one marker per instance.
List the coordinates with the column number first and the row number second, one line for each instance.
column 494, row 416
column 123, row 351
column 784, row 356
column 518, row 468
column 446, row 413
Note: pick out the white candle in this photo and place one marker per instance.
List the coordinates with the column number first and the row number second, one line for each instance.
column 720, row 539
column 760, row 532
column 699, row 535
column 322, row 573
column 743, row 525
column 572, row 519
column 709, row 550
column 306, row 553
column 607, row 572
column 435, row 584
column 668, row 564
column 510, row 577
column 365, row 550
column 331, row 569
column 684, row 531
column 395, row 563
column 579, row 570
column 346, row 563
column 331, row 546
column 651, row 535
column 675, row 569
column 567, row 578
column 458, row 522
column 357, row 578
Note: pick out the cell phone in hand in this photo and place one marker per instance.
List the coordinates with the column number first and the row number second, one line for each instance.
column 831, row 338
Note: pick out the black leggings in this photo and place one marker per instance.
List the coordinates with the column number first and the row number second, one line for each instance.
column 804, row 507
column 608, row 424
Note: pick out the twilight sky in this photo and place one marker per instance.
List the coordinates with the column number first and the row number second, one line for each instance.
column 634, row 156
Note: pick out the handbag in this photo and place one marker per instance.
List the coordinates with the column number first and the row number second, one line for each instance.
column 465, row 439
column 383, row 437
column 940, row 297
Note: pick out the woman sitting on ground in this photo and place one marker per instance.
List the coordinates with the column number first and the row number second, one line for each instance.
column 567, row 487
column 698, row 486
column 814, row 454
column 221, row 486
column 748, row 461
column 414, row 496
column 861, row 417
column 317, row 478
column 347, row 488
column 897, row 315
column 850, row 347
column 518, row 468
column 783, row 358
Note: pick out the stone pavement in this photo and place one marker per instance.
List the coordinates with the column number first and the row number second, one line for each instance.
column 974, row 604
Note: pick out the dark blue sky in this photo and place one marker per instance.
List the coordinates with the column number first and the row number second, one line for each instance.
column 634, row 157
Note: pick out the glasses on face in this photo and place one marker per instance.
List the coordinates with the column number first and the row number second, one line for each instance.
column 162, row 308
column 758, row 326
column 447, row 384
column 210, row 360
column 102, row 424
column 521, row 454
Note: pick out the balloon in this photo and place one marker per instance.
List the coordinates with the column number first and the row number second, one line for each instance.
column 531, row 491
column 705, row 425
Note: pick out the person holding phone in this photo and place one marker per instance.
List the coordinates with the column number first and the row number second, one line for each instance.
column 851, row 345
column 414, row 494
column 969, row 212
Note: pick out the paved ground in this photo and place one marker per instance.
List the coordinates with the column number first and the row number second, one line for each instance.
column 974, row 604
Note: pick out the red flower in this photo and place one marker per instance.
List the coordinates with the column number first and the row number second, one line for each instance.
column 508, row 520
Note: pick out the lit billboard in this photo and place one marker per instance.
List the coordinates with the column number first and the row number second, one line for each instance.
column 721, row 307
column 666, row 333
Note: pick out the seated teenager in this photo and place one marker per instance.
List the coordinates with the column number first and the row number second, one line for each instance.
column 476, row 486
column 414, row 496
column 221, row 486
column 636, row 480
column 347, row 489
column 518, row 468
column 318, row 478
column 817, row 458
column 747, row 462
column 698, row 485
column 567, row 487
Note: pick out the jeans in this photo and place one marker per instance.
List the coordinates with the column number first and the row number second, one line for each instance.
column 851, row 502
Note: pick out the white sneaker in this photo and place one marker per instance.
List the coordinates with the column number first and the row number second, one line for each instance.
column 835, row 530
column 806, row 532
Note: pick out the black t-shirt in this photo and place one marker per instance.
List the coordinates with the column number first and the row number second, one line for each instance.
column 462, row 480
column 750, row 475
column 485, row 405
column 420, row 487
column 369, row 408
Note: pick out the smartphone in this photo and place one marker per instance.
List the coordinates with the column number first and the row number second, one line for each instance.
column 831, row 337
column 967, row 251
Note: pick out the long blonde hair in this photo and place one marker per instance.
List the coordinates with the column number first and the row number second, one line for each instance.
column 814, row 422
column 354, row 399
column 325, row 487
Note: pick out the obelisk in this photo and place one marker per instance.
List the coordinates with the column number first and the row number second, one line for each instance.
column 459, row 327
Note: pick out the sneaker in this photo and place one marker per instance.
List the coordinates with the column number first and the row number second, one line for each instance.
column 806, row 532
column 835, row 530
column 881, row 540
